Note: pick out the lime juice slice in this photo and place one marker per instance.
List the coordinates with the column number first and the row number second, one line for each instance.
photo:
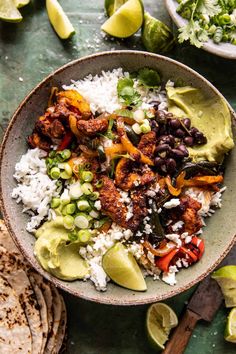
column 160, row 320
column 126, row 20
column 9, row 12
column 226, row 278
column 230, row 330
column 59, row 20
column 122, row 268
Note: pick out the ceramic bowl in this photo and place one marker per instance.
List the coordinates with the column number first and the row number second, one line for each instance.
column 220, row 230
column 225, row 50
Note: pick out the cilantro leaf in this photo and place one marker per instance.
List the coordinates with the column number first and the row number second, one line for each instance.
column 126, row 92
column 190, row 32
column 208, row 7
column 149, row 77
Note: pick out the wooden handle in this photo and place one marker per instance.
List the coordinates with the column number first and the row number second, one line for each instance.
column 181, row 335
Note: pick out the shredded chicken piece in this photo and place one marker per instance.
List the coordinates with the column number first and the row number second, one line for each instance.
column 35, row 140
column 192, row 220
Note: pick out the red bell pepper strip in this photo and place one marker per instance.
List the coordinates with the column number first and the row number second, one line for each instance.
column 199, row 244
column 65, row 141
column 163, row 263
column 188, row 252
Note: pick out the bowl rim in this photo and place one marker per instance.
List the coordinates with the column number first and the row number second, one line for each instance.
column 32, row 260
column 208, row 46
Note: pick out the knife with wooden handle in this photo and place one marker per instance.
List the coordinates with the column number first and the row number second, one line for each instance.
column 203, row 305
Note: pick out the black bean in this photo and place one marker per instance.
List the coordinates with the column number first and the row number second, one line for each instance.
column 167, row 139
column 170, row 165
column 154, row 126
column 183, row 148
column 162, row 148
column 179, row 133
column 160, row 116
column 199, row 138
column 175, row 123
column 186, row 122
column 193, row 131
column 189, row 141
column 178, row 154
column 159, row 162
column 162, row 130
column 169, row 115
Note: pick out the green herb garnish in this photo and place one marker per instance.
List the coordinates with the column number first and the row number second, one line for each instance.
column 149, row 77
column 126, row 92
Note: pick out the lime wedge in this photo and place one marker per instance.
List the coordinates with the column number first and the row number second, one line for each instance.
column 122, row 268
column 59, row 20
column 126, row 20
column 226, row 278
column 9, row 12
column 21, row 3
column 156, row 35
column 159, row 322
column 112, row 6
column 230, row 330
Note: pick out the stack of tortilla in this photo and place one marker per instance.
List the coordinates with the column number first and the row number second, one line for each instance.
column 32, row 312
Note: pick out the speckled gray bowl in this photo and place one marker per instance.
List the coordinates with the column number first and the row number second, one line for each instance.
column 220, row 230
column 224, row 50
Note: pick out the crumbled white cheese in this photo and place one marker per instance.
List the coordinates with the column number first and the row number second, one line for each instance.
column 185, row 263
column 136, row 249
column 175, row 238
column 169, row 278
column 98, row 205
column 178, row 225
column 174, row 202
column 97, row 274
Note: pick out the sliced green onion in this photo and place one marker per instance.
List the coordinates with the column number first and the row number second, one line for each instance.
column 99, row 183
column 55, row 173
column 87, row 188
column 84, row 236
column 65, row 198
column 136, row 128
column 82, row 221
column 73, row 236
column 68, row 221
column 68, row 169
column 94, row 196
column 98, row 223
column 83, row 205
column 70, row 209
column 65, row 154
column 139, row 115
column 64, row 175
column 55, row 203
column 75, row 191
column 145, row 128
column 94, row 214
column 52, row 154
column 87, row 176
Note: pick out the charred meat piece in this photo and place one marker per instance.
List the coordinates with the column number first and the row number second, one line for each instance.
column 110, row 202
column 139, row 203
column 191, row 218
column 92, row 126
column 35, row 140
column 130, row 174
column 147, row 144
column 52, row 129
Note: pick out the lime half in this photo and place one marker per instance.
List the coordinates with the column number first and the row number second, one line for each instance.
column 122, row 268
column 9, row 12
column 112, row 6
column 230, row 330
column 226, row 278
column 59, row 20
column 126, row 20
column 159, row 322
column 21, row 3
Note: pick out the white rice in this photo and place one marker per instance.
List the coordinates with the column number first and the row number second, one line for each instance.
column 35, row 189
column 101, row 91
